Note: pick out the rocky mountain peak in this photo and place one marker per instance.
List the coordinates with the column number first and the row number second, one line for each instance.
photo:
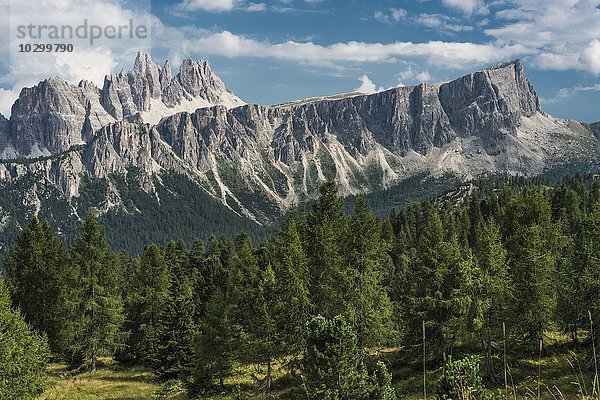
column 165, row 75
column 255, row 159
column 198, row 80
column 54, row 115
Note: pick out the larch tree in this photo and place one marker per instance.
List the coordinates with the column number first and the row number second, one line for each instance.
column 146, row 302
column 372, row 309
column 37, row 271
column 177, row 328
column 24, row 354
column 98, row 307
column 330, row 277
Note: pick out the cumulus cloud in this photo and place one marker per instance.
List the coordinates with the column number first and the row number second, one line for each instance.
column 256, row 7
column 442, row 23
column 220, row 6
column 564, row 32
column 590, row 57
column 566, row 93
column 394, row 15
column 468, row 7
column 207, row 5
column 411, row 75
column 85, row 62
column 452, row 55
column 7, row 99
column 367, row 86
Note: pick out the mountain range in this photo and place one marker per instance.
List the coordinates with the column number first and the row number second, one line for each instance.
column 149, row 146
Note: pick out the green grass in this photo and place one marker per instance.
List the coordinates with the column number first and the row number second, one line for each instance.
column 111, row 381
column 560, row 377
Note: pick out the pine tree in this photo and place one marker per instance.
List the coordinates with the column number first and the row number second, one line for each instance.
column 332, row 366
column 37, row 268
column 492, row 288
column 98, row 307
column 294, row 307
column 216, row 345
column 176, row 328
column 243, row 276
column 23, row 354
column 200, row 279
column 381, row 384
column 330, row 277
column 266, row 340
column 438, row 272
column 146, row 302
column 570, row 309
column 371, row 305
column 587, row 256
column 534, row 244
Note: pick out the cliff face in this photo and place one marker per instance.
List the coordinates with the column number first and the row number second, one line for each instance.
column 595, row 128
column 51, row 117
column 250, row 156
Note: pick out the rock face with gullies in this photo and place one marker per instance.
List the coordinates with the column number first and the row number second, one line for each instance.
column 54, row 115
column 595, row 128
column 152, row 91
column 252, row 158
column 4, row 130
column 489, row 102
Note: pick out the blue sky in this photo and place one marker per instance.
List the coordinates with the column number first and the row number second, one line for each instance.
column 270, row 51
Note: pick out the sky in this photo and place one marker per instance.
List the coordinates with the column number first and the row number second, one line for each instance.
column 272, row 51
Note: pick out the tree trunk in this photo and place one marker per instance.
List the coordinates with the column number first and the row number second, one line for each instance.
column 574, row 337
column 489, row 361
column 269, row 371
column 221, row 380
column 94, row 358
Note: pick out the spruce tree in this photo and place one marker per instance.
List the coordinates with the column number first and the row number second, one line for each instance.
column 571, row 311
column 243, row 276
column 266, row 341
column 331, row 279
column 176, row 328
column 146, row 302
column 332, row 366
column 533, row 241
column 381, row 384
column 587, row 256
column 433, row 293
column 24, row 354
column 216, row 344
column 97, row 312
column 492, row 288
column 371, row 306
column 294, row 306
column 37, row 274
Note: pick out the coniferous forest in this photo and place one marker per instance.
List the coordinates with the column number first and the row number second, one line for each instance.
column 447, row 297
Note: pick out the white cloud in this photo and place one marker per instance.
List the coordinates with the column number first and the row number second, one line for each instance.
column 367, row 86
column 424, row 76
column 85, row 62
column 564, row 32
column 382, row 17
column 207, row 5
column 412, row 76
column 468, row 7
column 442, row 23
column 395, row 15
column 7, row 99
column 451, row 55
column 398, row 14
column 565, row 93
column 590, row 57
column 256, row 7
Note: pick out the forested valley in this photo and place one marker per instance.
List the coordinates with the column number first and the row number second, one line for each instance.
column 444, row 299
